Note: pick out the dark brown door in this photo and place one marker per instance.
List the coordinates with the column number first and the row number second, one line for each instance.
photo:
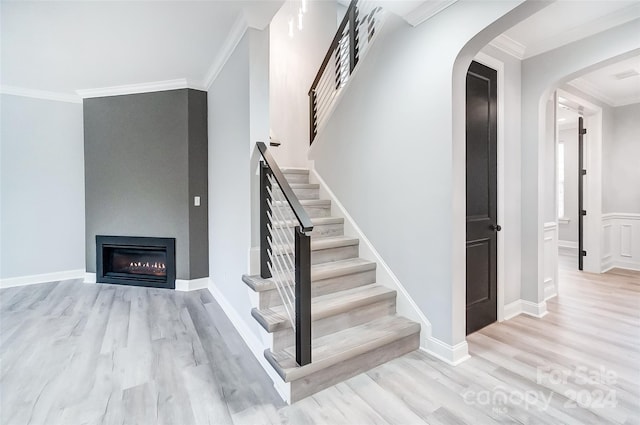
column 482, row 211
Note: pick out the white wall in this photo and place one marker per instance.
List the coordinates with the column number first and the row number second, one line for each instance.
column 238, row 117
column 294, row 62
column 541, row 74
column 42, row 187
column 387, row 154
column 568, row 232
column 621, row 162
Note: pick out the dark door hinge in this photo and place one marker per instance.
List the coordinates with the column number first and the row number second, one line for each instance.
column 583, row 131
column 584, row 253
column 583, row 212
column 584, row 172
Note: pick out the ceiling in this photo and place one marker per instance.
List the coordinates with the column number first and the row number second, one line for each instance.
column 564, row 21
column 67, row 46
column 617, row 84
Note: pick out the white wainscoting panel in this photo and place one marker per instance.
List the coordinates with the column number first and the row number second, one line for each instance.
column 550, row 260
column 620, row 241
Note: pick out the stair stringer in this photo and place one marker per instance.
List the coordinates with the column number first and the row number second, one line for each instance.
column 405, row 306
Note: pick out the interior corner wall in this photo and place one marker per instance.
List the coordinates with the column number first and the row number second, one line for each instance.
column 41, row 187
column 294, row 62
column 512, row 179
column 541, row 74
column 230, row 176
column 386, row 152
column 621, row 162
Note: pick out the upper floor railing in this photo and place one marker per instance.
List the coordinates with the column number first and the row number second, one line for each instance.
column 351, row 41
column 285, row 249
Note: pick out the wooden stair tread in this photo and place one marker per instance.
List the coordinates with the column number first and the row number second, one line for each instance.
column 341, row 346
column 318, row 272
column 275, row 318
column 319, row 244
column 316, row 221
column 309, row 202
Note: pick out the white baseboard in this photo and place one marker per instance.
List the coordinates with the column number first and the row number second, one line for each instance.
column 252, row 341
column 405, row 305
column 90, row 278
column 538, row 310
column 513, row 309
column 518, row 307
column 41, row 278
column 628, row 265
column 450, row 354
column 192, row 285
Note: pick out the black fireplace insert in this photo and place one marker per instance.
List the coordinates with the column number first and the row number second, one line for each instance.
column 138, row 261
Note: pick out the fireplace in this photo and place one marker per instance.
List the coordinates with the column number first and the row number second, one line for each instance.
column 138, row 261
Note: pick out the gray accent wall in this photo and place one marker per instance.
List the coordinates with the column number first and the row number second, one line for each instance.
column 145, row 160
column 41, row 187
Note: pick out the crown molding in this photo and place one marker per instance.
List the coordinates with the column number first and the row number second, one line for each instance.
column 40, row 94
column 509, row 46
column 592, row 90
column 236, row 33
column 427, row 10
column 154, row 86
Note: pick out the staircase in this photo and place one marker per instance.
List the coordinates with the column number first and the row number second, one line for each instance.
column 354, row 326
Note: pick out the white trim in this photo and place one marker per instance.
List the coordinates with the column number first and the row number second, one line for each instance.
column 623, row 233
column 513, row 309
column 498, row 65
column 568, row 244
column 40, row 94
column 509, row 46
column 236, row 33
column 41, row 278
column 538, row 310
column 90, row 278
column 154, row 86
column 450, row 354
column 564, row 220
column 192, row 285
column 252, row 341
column 427, row 10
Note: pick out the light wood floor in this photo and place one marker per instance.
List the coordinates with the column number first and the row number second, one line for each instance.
column 74, row 353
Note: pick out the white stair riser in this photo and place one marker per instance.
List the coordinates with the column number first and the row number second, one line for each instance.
column 324, row 255
column 322, row 287
column 296, row 178
column 302, row 194
column 340, row 372
column 357, row 316
column 312, row 210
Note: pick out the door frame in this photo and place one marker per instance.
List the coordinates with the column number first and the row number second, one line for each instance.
column 593, row 183
column 498, row 65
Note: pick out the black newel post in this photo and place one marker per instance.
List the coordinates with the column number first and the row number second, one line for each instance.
column 303, row 297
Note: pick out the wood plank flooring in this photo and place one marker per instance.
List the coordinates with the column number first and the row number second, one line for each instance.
column 75, row 353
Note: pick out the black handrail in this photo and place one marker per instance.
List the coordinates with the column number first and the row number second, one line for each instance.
column 302, row 250
column 334, row 44
column 292, row 199
column 349, row 19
